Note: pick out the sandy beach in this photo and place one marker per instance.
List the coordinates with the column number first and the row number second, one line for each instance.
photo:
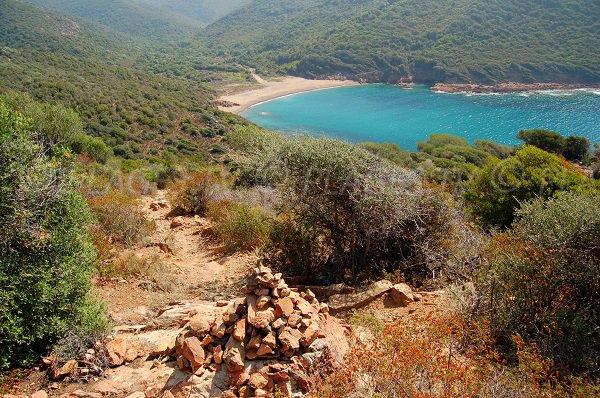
column 269, row 90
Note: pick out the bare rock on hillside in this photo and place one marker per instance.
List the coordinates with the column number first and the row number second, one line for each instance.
column 345, row 302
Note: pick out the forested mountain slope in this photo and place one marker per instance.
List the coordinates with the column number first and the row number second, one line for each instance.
column 98, row 72
column 205, row 11
column 485, row 41
column 126, row 16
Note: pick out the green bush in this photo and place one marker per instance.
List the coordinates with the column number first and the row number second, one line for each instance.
column 573, row 148
column 541, row 281
column 549, row 141
column 498, row 150
column 241, row 227
column 47, row 254
column 52, row 124
column 576, row 148
column 496, row 191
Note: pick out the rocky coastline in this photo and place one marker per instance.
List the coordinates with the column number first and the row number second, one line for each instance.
column 506, row 88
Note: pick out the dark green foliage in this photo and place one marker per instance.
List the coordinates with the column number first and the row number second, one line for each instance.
column 572, row 148
column 485, row 41
column 576, row 148
column 497, row 190
column 47, row 255
column 549, row 141
column 541, row 281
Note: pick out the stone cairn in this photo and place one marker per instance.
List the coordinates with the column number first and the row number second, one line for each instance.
column 273, row 326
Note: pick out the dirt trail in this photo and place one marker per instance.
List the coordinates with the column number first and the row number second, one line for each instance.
column 197, row 269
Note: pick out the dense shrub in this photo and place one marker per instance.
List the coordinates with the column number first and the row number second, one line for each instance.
column 498, row 150
column 368, row 215
column 572, row 148
column 576, row 148
column 541, row 281
column 52, row 124
column 193, row 191
column 47, row 255
column 498, row 188
column 240, row 226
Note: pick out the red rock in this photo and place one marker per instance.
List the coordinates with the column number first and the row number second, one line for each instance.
column 194, row 352
column 200, row 324
column 116, row 351
column 278, row 323
column 310, row 296
column 270, row 340
column 60, row 373
column 263, row 302
column 290, row 338
column 294, row 320
column 264, row 350
column 254, row 342
column 402, row 294
column 263, row 319
column 258, row 380
column 252, row 354
column 234, row 355
column 39, row 394
column 239, row 333
column 304, row 306
column 177, row 222
column 228, row 394
column 219, row 327
column 207, row 340
column 284, row 307
column 218, row 355
column 310, row 335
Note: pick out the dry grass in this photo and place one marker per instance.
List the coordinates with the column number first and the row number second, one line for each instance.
column 130, row 264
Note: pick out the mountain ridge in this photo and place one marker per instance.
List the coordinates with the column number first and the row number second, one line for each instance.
column 454, row 41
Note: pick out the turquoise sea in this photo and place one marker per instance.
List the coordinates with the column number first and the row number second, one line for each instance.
column 385, row 113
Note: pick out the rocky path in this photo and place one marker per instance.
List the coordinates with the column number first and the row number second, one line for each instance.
column 196, row 267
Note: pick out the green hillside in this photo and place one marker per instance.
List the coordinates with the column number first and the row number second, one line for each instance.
column 126, row 16
column 205, row 11
column 484, row 41
column 103, row 75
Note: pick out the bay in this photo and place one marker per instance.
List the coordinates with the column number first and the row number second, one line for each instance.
column 384, row 113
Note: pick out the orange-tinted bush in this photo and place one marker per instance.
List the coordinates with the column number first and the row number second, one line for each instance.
column 120, row 219
column 193, row 192
column 426, row 358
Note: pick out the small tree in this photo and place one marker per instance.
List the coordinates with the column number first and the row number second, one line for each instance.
column 547, row 140
column 496, row 191
column 576, row 148
column 46, row 253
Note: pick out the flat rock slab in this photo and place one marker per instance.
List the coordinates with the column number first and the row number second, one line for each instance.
column 345, row 302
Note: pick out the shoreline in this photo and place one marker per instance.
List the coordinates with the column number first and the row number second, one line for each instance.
column 270, row 90
column 507, row 88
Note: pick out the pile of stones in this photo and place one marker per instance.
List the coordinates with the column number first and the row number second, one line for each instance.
column 274, row 328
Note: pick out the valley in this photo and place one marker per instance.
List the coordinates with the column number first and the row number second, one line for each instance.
column 260, row 198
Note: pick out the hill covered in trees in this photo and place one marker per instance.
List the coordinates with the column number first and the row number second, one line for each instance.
column 116, row 82
column 126, row 16
column 205, row 11
column 483, row 41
